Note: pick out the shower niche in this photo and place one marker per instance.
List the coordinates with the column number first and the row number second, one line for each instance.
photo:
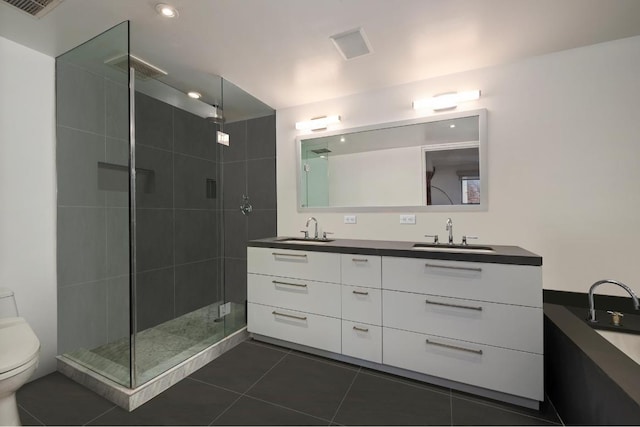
column 151, row 240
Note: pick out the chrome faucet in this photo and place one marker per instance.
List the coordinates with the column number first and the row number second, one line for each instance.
column 316, row 223
column 592, row 310
column 450, row 230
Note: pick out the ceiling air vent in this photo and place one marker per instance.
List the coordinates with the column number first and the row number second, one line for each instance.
column 36, row 8
column 352, row 43
column 144, row 70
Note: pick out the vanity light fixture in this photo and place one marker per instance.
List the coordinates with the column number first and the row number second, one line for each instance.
column 446, row 101
column 194, row 95
column 166, row 10
column 318, row 123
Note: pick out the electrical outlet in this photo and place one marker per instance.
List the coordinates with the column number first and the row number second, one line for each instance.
column 349, row 219
column 407, row 219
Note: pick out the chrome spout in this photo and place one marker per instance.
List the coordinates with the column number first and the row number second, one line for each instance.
column 592, row 310
column 315, row 235
column 449, row 228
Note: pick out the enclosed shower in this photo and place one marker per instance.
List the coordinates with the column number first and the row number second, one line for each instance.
column 150, row 232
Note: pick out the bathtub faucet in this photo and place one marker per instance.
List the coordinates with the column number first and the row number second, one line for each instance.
column 592, row 310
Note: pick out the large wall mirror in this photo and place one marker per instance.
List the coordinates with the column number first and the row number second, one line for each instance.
column 428, row 164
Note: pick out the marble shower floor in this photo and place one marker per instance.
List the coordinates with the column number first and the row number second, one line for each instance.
column 161, row 347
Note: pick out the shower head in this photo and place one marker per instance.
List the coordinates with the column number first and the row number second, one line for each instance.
column 144, row 70
column 321, row 151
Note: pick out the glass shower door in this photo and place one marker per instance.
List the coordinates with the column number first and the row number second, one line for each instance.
column 178, row 222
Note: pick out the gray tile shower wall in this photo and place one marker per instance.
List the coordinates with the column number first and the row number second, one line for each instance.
column 249, row 165
column 177, row 219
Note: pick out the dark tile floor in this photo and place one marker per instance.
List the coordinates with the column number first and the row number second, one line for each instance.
column 260, row 384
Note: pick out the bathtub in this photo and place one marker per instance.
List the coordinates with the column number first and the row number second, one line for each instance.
column 591, row 376
column 629, row 344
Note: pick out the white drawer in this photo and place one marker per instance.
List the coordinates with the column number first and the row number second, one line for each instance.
column 508, row 371
column 295, row 326
column 361, row 304
column 319, row 266
column 302, row 295
column 361, row 270
column 362, row 341
column 503, row 325
column 506, row 283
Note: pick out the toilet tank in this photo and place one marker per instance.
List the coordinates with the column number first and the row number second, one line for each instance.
column 8, row 307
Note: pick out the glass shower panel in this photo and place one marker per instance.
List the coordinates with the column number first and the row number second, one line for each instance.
column 92, row 162
column 178, row 223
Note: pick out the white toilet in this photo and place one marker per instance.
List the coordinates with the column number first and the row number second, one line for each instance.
column 19, row 351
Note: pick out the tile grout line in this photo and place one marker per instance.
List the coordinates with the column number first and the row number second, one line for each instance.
column 101, row 414
column 451, row 405
column 31, row 414
column 226, row 410
column 250, row 387
column 512, row 411
column 326, row 361
column 335, row 414
column 425, row 387
column 265, row 374
column 555, row 410
column 277, row 405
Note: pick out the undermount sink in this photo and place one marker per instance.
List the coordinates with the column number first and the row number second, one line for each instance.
column 452, row 248
column 297, row 240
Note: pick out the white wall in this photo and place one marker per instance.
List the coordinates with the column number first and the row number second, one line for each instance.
column 27, row 190
column 553, row 121
column 372, row 177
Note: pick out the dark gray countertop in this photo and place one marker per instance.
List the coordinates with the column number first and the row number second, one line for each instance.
column 500, row 255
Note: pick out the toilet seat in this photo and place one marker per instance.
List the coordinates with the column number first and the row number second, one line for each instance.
column 18, row 345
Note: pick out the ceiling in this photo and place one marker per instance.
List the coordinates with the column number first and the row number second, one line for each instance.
column 280, row 51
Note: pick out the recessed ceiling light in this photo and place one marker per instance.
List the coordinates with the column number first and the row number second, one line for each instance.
column 452, row 126
column 195, row 95
column 166, row 10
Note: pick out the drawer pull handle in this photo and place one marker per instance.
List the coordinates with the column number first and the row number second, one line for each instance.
column 291, row 255
column 468, row 307
column 454, row 347
column 451, row 267
column 359, row 260
column 275, row 282
column 360, row 293
column 356, row 328
column 289, row 315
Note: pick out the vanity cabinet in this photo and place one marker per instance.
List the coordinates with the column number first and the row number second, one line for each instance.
column 361, row 279
column 469, row 323
column 327, row 301
column 474, row 323
column 284, row 303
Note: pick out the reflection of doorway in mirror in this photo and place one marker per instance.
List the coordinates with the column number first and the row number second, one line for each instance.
column 452, row 173
column 470, row 191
